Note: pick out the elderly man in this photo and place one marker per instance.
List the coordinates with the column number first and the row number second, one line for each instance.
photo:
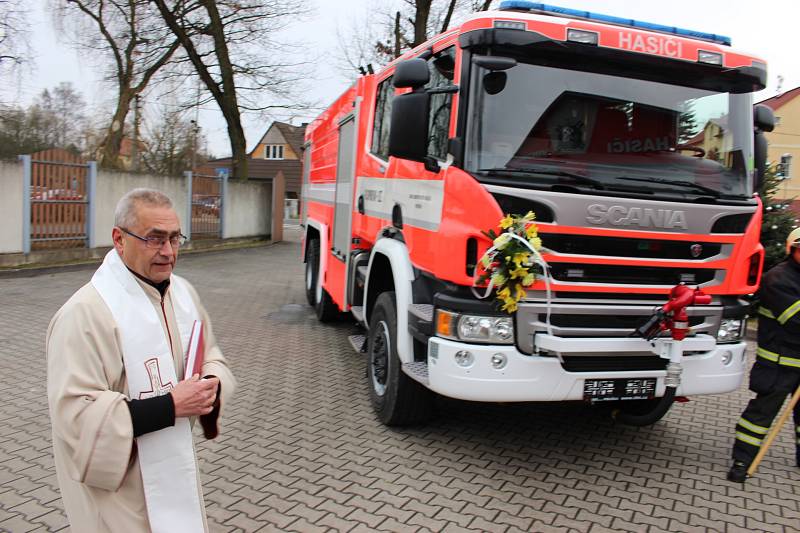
column 120, row 404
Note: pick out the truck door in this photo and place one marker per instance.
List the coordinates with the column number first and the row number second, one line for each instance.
column 343, row 208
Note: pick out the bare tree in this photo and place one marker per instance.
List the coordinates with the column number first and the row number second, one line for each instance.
column 231, row 45
column 55, row 119
column 131, row 36
column 171, row 141
column 14, row 47
column 400, row 26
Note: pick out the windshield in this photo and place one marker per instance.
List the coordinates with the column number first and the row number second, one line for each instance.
column 545, row 126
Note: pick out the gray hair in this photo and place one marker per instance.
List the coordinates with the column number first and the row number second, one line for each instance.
column 125, row 216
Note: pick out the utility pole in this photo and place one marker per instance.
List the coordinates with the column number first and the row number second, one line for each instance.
column 135, row 147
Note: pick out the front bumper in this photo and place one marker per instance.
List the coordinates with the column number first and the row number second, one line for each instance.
column 542, row 378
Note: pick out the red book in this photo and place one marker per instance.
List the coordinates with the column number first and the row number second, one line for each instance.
column 195, row 352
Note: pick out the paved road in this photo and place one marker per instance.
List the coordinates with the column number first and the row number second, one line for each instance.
column 302, row 451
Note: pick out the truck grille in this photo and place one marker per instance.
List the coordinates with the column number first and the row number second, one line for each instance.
column 606, row 321
column 623, row 247
column 630, row 275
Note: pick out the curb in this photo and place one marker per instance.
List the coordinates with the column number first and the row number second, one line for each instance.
column 73, row 266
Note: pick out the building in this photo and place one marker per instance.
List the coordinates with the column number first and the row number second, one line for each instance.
column 784, row 143
column 279, row 150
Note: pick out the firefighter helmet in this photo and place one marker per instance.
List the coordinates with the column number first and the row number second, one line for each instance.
column 793, row 240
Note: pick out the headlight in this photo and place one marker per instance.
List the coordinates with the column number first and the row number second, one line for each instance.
column 475, row 328
column 731, row 330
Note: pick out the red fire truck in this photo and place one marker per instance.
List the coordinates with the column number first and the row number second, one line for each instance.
column 633, row 144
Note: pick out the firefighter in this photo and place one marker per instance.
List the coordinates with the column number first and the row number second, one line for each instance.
column 776, row 372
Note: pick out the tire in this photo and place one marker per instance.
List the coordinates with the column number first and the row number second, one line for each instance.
column 638, row 408
column 397, row 399
column 325, row 308
column 312, row 271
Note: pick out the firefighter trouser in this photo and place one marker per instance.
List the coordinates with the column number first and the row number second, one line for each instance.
column 772, row 383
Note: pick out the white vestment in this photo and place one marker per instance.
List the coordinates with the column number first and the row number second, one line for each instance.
column 96, row 456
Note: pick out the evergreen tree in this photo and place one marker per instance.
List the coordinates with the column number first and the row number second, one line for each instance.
column 778, row 219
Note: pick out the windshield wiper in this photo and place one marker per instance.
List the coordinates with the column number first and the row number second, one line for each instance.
column 573, row 177
column 680, row 183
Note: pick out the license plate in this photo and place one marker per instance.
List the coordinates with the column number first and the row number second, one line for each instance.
column 604, row 390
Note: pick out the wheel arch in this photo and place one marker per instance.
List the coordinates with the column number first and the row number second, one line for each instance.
column 318, row 230
column 390, row 269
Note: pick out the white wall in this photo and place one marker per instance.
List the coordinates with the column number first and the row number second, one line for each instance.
column 10, row 207
column 248, row 209
column 111, row 186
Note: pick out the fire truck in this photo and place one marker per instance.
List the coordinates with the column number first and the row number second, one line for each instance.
column 638, row 149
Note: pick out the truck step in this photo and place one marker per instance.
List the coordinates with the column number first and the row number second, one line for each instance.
column 358, row 342
column 358, row 313
column 417, row 371
column 420, row 321
column 423, row 312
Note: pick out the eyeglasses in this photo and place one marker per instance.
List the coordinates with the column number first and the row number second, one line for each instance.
column 156, row 243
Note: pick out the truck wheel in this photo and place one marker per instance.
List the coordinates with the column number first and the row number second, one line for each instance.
column 638, row 408
column 397, row 399
column 312, row 271
column 325, row 308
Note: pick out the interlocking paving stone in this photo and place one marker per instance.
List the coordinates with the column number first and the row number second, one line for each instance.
column 300, row 449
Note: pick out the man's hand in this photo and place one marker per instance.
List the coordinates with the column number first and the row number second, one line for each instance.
column 194, row 396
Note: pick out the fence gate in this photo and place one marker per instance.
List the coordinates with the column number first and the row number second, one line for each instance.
column 59, row 199
column 206, row 207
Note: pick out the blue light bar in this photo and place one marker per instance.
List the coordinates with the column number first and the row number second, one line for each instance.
column 525, row 5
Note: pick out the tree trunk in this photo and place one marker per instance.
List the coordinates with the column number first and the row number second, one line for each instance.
column 421, row 22
column 112, row 143
column 398, row 45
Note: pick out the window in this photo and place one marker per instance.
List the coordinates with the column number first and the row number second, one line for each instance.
column 383, row 115
column 442, row 69
column 273, row 151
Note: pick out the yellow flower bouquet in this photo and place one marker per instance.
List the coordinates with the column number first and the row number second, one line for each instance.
column 508, row 265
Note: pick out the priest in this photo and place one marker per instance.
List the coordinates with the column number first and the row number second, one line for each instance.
column 122, row 404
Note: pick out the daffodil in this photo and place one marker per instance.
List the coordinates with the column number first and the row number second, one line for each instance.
column 520, row 258
column 501, row 241
column 498, row 279
column 536, row 242
column 530, row 215
column 531, row 231
column 520, row 292
column 528, row 280
column 507, row 222
column 519, row 272
column 504, row 293
column 510, row 306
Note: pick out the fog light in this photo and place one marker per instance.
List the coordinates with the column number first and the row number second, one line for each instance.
column 499, row 361
column 727, row 357
column 730, row 330
column 464, row 358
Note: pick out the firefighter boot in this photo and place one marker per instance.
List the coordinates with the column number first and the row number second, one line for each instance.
column 738, row 472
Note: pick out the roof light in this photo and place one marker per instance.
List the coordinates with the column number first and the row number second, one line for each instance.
column 525, row 5
column 582, row 36
column 712, row 58
column 510, row 25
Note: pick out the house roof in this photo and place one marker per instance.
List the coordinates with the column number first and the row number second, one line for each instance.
column 782, row 99
column 263, row 169
column 294, row 135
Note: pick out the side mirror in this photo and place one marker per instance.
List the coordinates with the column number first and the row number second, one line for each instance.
column 763, row 118
column 412, row 73
column 408, row 132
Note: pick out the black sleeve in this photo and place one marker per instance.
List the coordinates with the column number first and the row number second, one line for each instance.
column 151, row 414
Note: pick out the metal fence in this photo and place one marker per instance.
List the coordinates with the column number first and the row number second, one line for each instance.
column 57, row 188
column 206, row 195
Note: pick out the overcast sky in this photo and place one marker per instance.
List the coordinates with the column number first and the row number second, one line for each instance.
column 767, row 29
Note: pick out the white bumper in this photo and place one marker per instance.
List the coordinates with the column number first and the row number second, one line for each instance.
column 537, row 378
